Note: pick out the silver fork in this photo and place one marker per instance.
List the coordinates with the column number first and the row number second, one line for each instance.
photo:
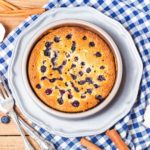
column 7, row 106
column 44, row 144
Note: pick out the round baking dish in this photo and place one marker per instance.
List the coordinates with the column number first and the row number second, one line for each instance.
column 93, row 28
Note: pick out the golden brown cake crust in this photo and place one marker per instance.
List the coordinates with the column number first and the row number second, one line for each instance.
column 71, row 69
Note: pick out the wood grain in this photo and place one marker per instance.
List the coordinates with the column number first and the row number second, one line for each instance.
column 23, row 4
column 10, row 138
column 11, row 22
column 8, row 129
column 14, row 143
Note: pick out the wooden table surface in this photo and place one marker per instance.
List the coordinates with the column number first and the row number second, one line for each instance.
column 9, row 136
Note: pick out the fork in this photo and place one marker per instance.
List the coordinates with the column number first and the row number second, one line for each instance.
column 44, row 145
column 7, row 106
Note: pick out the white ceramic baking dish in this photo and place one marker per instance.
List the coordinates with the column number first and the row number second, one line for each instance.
column 93, row 28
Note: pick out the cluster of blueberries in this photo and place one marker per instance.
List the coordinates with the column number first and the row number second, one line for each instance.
column 59, row 69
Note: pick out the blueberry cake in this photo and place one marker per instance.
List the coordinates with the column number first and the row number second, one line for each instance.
column 71, row 69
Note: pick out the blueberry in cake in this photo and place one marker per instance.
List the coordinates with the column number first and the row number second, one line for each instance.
column 71, row 69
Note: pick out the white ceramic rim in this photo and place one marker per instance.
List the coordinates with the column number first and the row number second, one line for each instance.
column 99, row 31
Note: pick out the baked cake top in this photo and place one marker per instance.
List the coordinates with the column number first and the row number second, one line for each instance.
column 71, row 69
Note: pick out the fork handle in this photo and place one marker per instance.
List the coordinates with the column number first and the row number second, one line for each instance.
column 14, row 116
column 44, row 145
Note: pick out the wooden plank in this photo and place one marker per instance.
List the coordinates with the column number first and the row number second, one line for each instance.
column 15, row 143
column 8, row 129
column 11, row 22
column 28, row 3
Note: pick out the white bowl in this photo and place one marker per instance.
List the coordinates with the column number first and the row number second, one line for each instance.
column 93, row 28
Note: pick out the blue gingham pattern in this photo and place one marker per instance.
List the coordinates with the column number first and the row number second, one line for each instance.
column 135, row 17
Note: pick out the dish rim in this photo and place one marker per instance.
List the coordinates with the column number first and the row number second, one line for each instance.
column 93, row 28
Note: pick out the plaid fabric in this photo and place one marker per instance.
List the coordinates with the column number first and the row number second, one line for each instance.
column 135, row 17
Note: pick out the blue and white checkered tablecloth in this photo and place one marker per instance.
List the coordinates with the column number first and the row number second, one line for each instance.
column 134, row 15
